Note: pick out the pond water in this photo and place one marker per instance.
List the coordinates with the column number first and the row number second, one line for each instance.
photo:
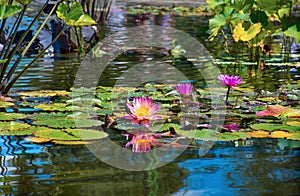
column 252, row 167
column 256, row 167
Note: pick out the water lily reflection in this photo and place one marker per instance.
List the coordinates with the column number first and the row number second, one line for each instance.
column 184, row 89
column 141, row 142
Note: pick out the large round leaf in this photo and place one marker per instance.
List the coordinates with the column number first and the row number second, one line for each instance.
column 9, row 10
column 10, row 116
column 67, row 123
column 14, row 128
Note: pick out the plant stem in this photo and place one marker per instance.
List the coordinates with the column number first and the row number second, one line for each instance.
column 227, row 95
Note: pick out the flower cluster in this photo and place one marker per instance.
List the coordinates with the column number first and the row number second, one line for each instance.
column 141, row 142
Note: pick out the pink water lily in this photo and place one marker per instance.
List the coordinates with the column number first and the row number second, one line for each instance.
column 233, row 127
column 184, row 89
column 229, row 80
column 141, row 142
column 142, row 111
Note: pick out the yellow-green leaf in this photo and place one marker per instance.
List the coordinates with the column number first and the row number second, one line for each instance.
column 239, row 33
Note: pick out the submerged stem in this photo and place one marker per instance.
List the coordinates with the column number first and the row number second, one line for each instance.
column 227, row 95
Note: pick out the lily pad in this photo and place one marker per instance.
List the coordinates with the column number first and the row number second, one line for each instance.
column 44, row 93
column 71, row 134
column 4, row 104
column 68, row 123
column 258, row 134
column 280, row 134
column 53, row 107
column 14, row 128
column 275, row 127
column 11, row 116
column 295, row 136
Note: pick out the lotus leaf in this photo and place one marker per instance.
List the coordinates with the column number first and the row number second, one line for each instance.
column 239, row 33
column 10, row 116
column 275, row 127
column 47, row 116
column 295, row 136
column 24, row 2
column 71, row 134
column 9, row 10
column 67, row 123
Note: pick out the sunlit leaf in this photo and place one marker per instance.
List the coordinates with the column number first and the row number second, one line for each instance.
column 10, row 116
column 280, row 134
column 71, row 134
column 293, row 32
column 38, row 139
column 4, row 104
column 24, row 2
column 8, row 10
column 239, row 33
column 53, row 107
column 216, row 23
column 44, row 93
column 73, row 16
column 14, row 128
column 259, row 134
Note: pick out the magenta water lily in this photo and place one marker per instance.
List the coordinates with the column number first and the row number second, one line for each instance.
column 230, row 81
column 184, row 89
column 142, row 110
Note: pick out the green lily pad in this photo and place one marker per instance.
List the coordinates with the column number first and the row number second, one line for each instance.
column 4, row 104
column 295, row 136
column 275, row 127
column 54, row 107
column 10, row 116
column 14, row 128
column 44, row 93
column 203, row 134
column 9, row 10
column 71, row 134
column 67, row 123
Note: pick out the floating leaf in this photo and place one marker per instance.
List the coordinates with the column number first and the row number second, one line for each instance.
column 239, row 33
column 258, row 134
column 4, row 104
column 10, row 116
column 24, row 2
column 44, row 93
column 280, row 134
column 274, row 127
column 38, row 139
column 293, row 123
column 63, row 142
column 9, row 10
column 295, row 136
column 71, row 134
column 278, row 110
column 53, row 107
column 14, row 128
column 67, row 123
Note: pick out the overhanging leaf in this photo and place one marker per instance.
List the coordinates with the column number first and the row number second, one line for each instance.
column 239, row 33
column 293, row 32
column 9, row 10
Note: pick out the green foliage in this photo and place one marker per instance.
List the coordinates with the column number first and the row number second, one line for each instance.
column 73, row 15
column 24, row 2
column 252, row 21
column 9, row 10
column 67, row 123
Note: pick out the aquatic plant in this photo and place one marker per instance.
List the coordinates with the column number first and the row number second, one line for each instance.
column 18, row 43
column 141, row 142
column 184, row 89
column 230, row 82
column 97, row 9
column 142, row 111
column 253, row 23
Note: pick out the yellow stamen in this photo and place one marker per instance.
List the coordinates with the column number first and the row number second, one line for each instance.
column 142, row 111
